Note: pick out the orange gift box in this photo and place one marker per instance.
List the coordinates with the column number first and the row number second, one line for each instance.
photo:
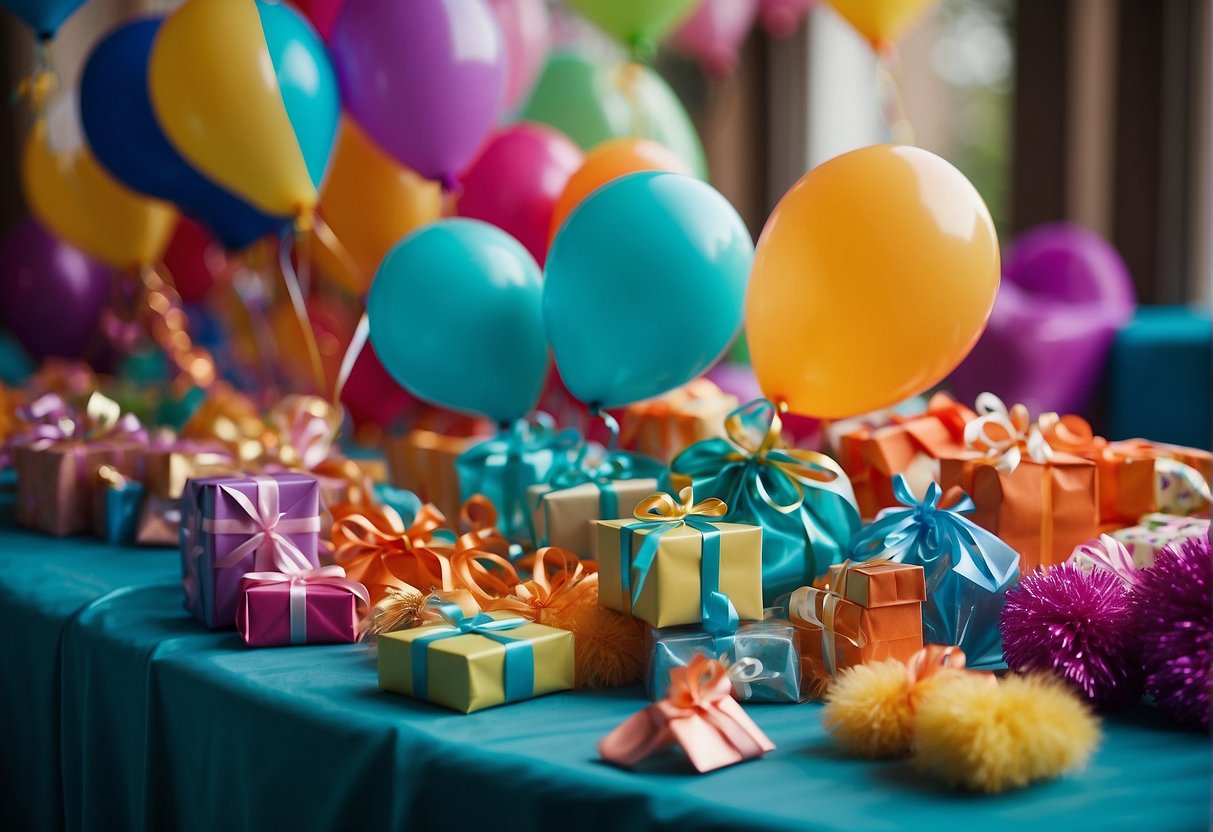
column 662, row 427
column 424, row 462
column 868, row 612
column 912, row 445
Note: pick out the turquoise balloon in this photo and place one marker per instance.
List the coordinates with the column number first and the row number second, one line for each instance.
column 644, row 287
column 592, row 102
column 306, row 81
column 456, row 317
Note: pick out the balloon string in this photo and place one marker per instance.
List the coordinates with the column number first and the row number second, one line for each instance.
column 168, row 325
column 290, row 240
column 892, row 104
column 40, row 84
column 627, row 81
column 362, row 333
column 353, row 274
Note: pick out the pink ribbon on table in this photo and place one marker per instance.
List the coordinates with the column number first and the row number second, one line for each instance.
column 698, row 714
column 1109, row 554
column 299, row 582
column 266, row 528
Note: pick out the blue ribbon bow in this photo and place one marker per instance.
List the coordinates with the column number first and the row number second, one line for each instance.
column 519, row 665
column 603, row 471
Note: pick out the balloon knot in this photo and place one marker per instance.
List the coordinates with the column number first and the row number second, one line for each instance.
column 449, row 182
column 642, row 48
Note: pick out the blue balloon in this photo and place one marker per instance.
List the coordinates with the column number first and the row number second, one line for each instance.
column 456, row 315
column 121, row 128
column 43, row 16
column 306, row 82
column 644, row 287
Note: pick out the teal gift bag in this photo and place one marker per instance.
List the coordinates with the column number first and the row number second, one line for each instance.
column 802, row 499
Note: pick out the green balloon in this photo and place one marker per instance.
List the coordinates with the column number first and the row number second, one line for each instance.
column 593, row 102
column 637, row 24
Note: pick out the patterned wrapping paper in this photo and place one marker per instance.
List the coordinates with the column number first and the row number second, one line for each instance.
column 761, row 656
column 317, row 607
column 1155, row 531
column 662, row 427
column 234, row 525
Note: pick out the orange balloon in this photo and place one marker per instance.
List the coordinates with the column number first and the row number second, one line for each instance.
column 872, row 280
column 370, row 201
column 881, row 21
column 611, row 160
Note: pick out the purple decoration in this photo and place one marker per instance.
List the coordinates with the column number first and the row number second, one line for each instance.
column 1174, row 605
column 1065, row 292
column 425, row 78
column 51, row 294
column 1078, row 627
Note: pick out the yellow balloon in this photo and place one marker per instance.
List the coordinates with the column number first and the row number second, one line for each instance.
column 370, row 201
column 71, row 195
column 881, row 21
column 216, row 97
column 872, row 280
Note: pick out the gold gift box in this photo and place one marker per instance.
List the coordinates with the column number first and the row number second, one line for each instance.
column 565, row 517
column 466, row 672
column 671, row 593
column 424, row 462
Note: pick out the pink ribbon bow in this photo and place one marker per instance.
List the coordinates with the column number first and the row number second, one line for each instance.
column 299, row 582
column 267, row 531
column 1109, row 554
column 699, row 715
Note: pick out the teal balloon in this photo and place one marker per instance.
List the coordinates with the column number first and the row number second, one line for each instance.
column 306, row 81
column 644, row 287
column 43, row 16
column 456, row 317
column 592, row 102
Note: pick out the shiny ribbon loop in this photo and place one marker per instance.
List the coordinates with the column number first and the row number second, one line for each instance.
column 932, row 659
column 803, row 605
column 307, row 430
column 1004, row 436
column 1109, row 554
column 299, row 582
column 373, row 545
column 519, row 662
column 746, row 671
column 569, row 581
column 660, row 514
column 266, row 527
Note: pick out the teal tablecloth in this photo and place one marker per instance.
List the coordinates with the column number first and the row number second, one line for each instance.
column 117, row 711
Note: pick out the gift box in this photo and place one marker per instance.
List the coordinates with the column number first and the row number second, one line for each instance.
column 1145, row 540
column 869, row 612
column 761, row 657
column 662, row 427
column 801, row 499
column 166, row 471
column 424, row 462
column 231, row 526
column 667, row 564
column 321, row 606
column 968, row 569
column 468, row 663
column 911, row 446
column 565, row 516
column 57, row 481
column 116, row 501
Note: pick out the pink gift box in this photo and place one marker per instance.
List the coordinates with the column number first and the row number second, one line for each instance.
column 317, row 607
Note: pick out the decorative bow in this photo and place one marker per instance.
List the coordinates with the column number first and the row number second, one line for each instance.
column 593, row 464
column 803, row 605
column 559, row 580
column 1109, row 554
column 299, row 582
column 519, row 662
column 1004, row 436
column 661, row 514
column 933, row 659
column 307, row 430
column 267, row 528
column 376, row 548
column 746, row 671
column 698, row 714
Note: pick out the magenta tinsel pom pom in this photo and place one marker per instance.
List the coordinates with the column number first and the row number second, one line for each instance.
column 1076, row 625
column 1174, row 605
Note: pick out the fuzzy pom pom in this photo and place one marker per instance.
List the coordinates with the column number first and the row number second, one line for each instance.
column 609, row 646
column 990, row 737
column 1077, row 626
column 1174, row 623
column 868, row 710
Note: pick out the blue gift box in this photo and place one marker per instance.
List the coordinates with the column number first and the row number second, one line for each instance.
column 761, row 655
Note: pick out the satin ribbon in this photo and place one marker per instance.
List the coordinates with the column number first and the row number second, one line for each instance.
column 1109, row 554
column 50, row 419
column 374, row 546
column 307, row 430
column 803, row 605
column 333, row 576
column 744, row 673
column 699, row 697
column 519, row 661
column 1003, row 436
column 569, row 581
column 267, row 530
column 603, row 469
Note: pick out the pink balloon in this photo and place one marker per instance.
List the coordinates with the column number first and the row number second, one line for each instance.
column 525, row 27
column 322, row 13
column 714, row 33
column 781, row 18
column 371, row 396
column 515, row 182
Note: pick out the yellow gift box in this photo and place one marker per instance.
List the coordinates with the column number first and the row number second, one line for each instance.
column 462, row 664
column 671, row 589
column 565, row 517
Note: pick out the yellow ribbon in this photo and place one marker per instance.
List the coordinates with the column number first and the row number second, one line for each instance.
column 663, row 507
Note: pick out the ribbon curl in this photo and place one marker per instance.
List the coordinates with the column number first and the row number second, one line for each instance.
column 1110, row 555
column 1004, row 436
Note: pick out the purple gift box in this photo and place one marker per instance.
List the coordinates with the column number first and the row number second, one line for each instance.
column 234, row 525
column 316, row 607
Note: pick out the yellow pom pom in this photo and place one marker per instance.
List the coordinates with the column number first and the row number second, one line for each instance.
column 991, row 737
column 609, row 646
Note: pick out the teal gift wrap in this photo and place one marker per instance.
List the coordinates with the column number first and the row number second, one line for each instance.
column 802, row 499
column 967, row 569
column 761, row 656
column 504, row 467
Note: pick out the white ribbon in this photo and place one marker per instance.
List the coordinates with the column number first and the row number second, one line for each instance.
column 1109, row 554
column 744, row 672
column 273, row 551
column 1021, row 433
column 299, row 582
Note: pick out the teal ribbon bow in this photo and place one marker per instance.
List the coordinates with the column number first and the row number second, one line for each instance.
column 519, row 665
column 604, row 470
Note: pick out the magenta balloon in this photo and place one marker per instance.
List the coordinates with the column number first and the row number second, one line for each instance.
column 516, row 180
column 51, row 294
column 781, row 18
column 424, row 78
column 714, row 33
column 1065, row 292
column 525, row 28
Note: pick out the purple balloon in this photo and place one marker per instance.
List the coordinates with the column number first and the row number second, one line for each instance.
column 1065, row 292
column 51, row 294
column 425, row 78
